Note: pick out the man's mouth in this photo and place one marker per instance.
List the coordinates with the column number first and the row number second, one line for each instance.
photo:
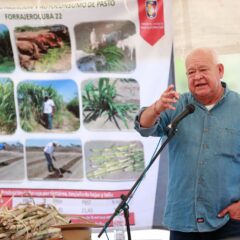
column 200, row 85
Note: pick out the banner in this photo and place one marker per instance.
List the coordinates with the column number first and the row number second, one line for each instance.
column 151, row 19
column 73, row 75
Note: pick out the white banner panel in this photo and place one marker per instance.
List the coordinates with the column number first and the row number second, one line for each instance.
column 73, row 75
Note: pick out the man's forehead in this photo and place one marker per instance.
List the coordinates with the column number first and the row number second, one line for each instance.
column 199, row 60
column 200, row 56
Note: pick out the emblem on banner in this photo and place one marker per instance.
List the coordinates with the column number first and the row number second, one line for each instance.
column 151, row 20
column 151, row 8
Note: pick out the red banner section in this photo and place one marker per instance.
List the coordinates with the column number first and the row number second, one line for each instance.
column 11, row 197
column 100, row 219
column 63, row 193
column 151, row 19
column 6, row 202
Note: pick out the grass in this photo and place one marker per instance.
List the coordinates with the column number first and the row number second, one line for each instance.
column 7, row 66
column 49, row 60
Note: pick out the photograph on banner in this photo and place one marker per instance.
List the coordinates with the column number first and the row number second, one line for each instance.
column 8, row 120
column 6, row 53
column 53, row 159
column 48, row 106
column 114, row 160
column 43, row 49
column 106, row 46
column 12, row 167
column 110, row 103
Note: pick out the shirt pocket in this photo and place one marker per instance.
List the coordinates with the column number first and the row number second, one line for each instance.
column 228, row 143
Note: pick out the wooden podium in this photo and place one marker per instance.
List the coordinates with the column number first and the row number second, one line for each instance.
column 77, row 231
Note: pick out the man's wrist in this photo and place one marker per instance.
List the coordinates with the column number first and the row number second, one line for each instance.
column 156, row 112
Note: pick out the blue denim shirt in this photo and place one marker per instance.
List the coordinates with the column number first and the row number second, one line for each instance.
column 204, row 162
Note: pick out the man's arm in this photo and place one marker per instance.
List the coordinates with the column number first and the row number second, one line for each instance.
column 53, row 157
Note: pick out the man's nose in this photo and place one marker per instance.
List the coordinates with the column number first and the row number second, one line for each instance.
column 198, row 74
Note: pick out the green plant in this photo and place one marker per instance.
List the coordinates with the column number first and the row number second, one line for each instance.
column 73, row 106
column 6, row 54
column 49, row 60
column 7, row 106
column 100, row 100
column 113, row 56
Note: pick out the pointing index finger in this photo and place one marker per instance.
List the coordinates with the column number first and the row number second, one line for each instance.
column 170, row 88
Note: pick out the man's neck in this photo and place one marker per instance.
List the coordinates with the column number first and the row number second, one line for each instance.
column 212, row 101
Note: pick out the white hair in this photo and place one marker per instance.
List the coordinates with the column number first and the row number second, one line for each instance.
column 206, row 50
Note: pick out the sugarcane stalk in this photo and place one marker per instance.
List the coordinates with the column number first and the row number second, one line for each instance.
column 4, row 235
column 49, row 231
column 20, row 233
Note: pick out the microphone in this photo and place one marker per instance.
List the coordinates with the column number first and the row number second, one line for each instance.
column 190, row 108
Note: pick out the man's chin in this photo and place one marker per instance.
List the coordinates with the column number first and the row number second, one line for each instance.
column 201, row 95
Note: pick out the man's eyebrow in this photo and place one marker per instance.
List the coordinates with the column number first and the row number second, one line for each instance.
column 202, row 66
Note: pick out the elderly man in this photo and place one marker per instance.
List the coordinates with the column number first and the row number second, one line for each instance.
column 204, row 155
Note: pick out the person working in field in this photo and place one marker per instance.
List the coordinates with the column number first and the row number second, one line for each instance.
column 49, row 155
column 48, row 112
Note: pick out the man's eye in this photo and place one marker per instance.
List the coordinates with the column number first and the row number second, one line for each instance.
column 190, row 72
column 203, row 69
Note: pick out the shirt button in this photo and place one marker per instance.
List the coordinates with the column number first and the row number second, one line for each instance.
column 205, row 130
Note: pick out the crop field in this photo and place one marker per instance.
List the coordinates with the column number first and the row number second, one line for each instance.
column 69, row 162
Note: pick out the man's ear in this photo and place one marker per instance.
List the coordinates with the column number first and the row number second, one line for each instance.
column 221, row 69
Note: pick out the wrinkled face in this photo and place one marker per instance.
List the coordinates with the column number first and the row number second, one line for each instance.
column 204, row 76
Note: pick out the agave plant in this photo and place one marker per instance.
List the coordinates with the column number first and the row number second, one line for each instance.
column 101, row 100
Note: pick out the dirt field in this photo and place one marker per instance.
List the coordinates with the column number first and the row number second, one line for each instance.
column 11, row 165
column 68, row 161
column 70, row 123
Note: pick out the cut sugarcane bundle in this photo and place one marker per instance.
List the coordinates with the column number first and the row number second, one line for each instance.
column 105, row 161
column 30, row 222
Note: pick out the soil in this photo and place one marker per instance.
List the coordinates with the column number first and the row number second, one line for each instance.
column 70, row 164
column 68, row 124
column 11, row 165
